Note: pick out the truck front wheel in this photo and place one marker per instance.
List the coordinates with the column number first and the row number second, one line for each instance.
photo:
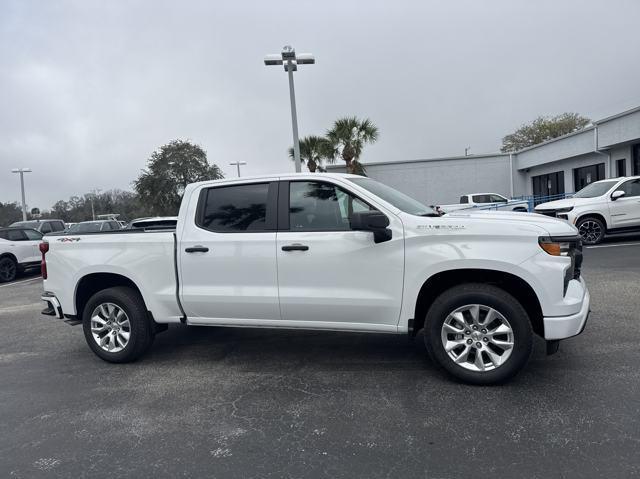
column 478, row 333
column 116, row 325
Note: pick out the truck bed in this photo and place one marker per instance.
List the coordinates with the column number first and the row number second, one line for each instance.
column 146, row 257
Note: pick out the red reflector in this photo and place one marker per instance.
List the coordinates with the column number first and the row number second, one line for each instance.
column 44, row 247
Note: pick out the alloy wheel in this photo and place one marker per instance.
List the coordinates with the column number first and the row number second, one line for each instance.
column 477, row 337
column 7, row 270
column 590, row 230
column 110, row 327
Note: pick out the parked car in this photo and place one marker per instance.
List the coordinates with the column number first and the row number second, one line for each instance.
column 94, row 226
column 157, row 222
column 333, row 252
column 43, row 226
column 18, row 251
column 475, row 200
column 601, row 208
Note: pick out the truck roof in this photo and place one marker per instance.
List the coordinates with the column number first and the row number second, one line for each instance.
column 277, row 176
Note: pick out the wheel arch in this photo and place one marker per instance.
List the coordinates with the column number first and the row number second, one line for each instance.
column 92, row 283
column 511, row 283
column 596, row 215
column 11, row 256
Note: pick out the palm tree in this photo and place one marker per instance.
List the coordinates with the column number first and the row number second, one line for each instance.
column 313, row 151
column 348, row 137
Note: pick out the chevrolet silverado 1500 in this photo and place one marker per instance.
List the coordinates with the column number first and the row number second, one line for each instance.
column 327, row 252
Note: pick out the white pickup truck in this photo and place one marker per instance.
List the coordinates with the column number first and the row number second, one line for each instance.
column 327, row 252
column 486, row 200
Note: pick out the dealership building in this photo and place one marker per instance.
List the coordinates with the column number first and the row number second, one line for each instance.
column 606, row 148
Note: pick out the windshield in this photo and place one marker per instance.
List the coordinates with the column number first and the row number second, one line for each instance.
column 85, row 228
column 397, row 199
column 595, row 189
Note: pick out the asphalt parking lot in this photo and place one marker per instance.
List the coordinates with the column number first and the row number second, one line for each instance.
column 240, row 403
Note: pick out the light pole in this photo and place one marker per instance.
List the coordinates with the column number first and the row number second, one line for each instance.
column 22, row 171
column 238, row 163
column 290, row 60
column 94, row 192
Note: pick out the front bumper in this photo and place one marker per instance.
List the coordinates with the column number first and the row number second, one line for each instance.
column 562, row 327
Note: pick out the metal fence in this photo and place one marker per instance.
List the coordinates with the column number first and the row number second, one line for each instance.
column 528, row 201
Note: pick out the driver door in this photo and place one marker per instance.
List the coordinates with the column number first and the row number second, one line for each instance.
column 625, row 211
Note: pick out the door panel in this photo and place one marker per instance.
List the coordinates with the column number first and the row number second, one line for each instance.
column 342, row 277
column 227, row 255
column 625, row 211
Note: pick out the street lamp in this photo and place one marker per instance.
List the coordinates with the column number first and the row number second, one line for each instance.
column 94, row 193
column 22, row 171
column 238, row 163
column 290, row 60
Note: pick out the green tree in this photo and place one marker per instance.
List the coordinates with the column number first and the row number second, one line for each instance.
column 169, row 170
column 10, row 213
column 313, row 151
column 543, row 129
column 348, row 136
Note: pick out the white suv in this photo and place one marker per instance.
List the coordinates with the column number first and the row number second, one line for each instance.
column 603, row 207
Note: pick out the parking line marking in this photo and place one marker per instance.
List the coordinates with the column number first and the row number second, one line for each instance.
column 20, row 282
column 612, row 245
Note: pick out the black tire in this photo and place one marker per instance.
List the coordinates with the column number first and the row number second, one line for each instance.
column 140, row 328
column 491, row 297
column 591, row 229
column 8, row 269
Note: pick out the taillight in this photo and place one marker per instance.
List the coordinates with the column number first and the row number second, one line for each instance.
column 44, row 247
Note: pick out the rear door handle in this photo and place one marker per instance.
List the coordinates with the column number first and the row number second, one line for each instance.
column 295, row 247
column 196, row 249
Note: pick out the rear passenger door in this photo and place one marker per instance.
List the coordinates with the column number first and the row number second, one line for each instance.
column 329, row 275
column 228, row 271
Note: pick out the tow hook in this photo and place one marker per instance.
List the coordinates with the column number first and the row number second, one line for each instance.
column 552, row 346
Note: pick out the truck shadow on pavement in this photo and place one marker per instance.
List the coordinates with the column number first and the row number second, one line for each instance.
column 281, row 351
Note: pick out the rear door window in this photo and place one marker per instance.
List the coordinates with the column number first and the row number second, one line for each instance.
column 237, row 208
column 33, row 235
column 46, row 228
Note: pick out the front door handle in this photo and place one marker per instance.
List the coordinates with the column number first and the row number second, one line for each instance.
column 196, row 249
column 295, row 247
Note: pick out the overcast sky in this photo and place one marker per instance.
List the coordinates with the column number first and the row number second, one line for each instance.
column 88, row 89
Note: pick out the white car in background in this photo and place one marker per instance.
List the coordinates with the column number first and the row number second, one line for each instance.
column 19, row 250
column 603, row 207
column 475, row 200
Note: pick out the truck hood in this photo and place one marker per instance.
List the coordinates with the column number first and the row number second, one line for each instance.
column 556, row 205
column 508, row 219
column 568, row 203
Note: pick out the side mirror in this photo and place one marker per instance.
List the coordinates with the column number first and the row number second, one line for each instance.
column 617, row 194
column 372, row 221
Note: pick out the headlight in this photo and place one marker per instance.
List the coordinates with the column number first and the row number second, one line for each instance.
column 568, row 246
column 564, row 210
column 556, row 246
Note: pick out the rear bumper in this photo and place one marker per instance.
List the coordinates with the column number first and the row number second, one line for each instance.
column 562, row 327
column 53, row 306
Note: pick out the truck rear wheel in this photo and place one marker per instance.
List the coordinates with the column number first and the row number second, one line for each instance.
column 116, row 325
column 478, row 333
